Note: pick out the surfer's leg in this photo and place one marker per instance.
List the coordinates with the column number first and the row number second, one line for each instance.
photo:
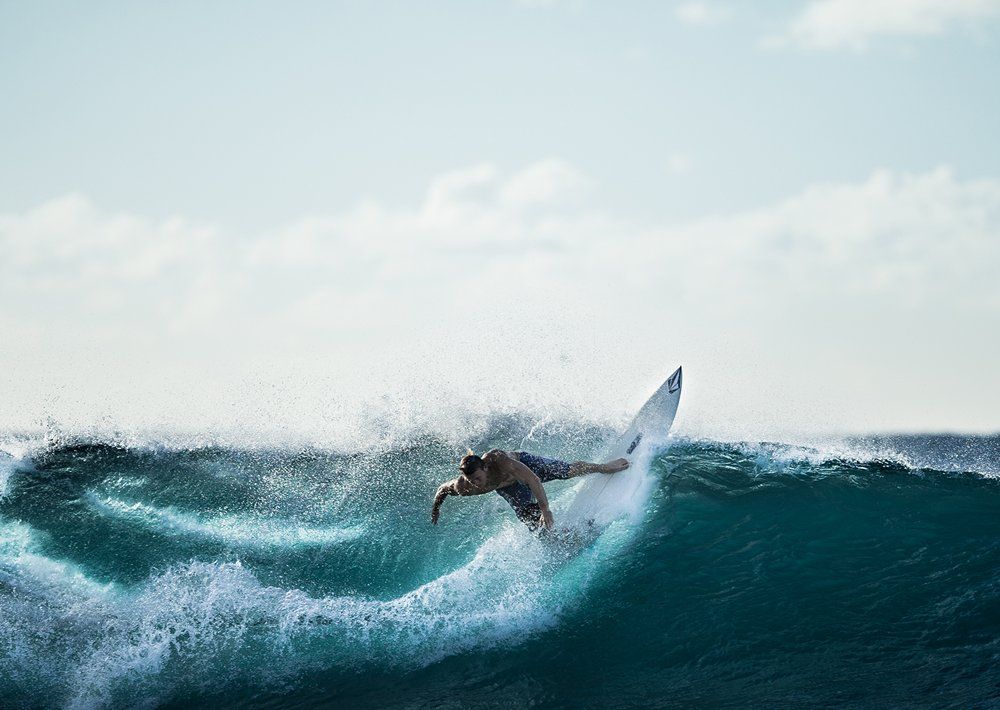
column 580, row 468
column 551, row 469
column 545, row 468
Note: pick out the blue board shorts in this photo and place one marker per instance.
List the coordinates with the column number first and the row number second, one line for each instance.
column 519, row 495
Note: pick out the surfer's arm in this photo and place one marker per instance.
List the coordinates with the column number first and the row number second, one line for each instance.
column 447, row 489
column 526, row 476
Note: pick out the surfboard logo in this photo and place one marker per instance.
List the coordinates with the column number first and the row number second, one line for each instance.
column 635, row 443
column 674, row 382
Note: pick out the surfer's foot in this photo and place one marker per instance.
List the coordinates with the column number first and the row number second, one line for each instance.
column 615, row 466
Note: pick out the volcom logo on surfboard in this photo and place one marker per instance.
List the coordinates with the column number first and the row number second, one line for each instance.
column 674, row 382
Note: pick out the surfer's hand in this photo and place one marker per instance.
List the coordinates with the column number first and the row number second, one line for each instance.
column 435, row 514
column 547, row 521
column 616, row 465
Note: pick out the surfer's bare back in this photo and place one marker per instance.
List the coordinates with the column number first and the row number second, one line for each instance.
column 517, row 476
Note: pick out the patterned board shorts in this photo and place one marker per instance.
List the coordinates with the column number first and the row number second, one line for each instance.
column 519, row 495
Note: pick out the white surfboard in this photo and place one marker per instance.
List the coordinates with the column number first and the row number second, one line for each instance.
column 601, row 498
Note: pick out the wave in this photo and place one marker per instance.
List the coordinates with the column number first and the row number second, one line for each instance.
column 743, row 573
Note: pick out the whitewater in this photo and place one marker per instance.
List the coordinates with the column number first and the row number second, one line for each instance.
column 151, row 571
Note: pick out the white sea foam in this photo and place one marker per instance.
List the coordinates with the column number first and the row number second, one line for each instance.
column 197, row 621
column 13, row 452
column 7, row 467
column 237, row 530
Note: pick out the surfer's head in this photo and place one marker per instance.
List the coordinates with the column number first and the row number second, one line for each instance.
column 472, row 467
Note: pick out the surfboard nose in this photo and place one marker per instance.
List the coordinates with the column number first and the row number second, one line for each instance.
column 674, row 381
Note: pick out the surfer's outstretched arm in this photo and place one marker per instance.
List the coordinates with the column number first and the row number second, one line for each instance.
column 447, row 489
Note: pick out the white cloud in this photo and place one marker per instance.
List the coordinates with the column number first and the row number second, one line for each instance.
column 547, row 182
column 488, row 284
column 854, row 24
column 898, row 238
column 451, row 192
column 702, row 13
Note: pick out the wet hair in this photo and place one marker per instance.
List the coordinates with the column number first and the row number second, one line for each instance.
column 470, row 463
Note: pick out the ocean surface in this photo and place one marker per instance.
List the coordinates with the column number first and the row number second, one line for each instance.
column 858, row 572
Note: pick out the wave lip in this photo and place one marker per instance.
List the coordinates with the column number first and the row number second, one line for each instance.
column 234, row 530
column 915, row 454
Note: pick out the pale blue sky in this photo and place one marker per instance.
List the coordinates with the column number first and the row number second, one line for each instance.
column 260, row 214
column 255, row 113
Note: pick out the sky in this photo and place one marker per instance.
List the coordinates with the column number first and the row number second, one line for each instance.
column 332, row 217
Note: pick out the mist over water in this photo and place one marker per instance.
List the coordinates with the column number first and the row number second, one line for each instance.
column 860, row 571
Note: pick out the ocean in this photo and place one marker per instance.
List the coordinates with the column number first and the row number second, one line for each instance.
column 849, row 572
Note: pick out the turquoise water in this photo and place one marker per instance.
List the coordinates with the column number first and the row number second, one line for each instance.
column 864, row 573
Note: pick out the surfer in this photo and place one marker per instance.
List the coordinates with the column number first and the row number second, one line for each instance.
column 517, row 477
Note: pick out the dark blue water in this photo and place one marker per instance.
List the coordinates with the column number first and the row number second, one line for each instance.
column 861, row 574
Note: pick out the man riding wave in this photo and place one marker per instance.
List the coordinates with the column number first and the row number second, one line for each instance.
column 517, row 476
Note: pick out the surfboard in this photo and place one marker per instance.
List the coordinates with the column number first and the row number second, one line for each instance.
column 600, row 497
